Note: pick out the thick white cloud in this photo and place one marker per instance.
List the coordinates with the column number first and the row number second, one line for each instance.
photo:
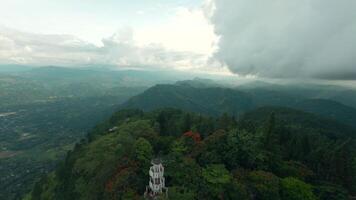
column 183, row 40
column 28, row 48
column 120, row 49
column 189, row 30
column 287, row 38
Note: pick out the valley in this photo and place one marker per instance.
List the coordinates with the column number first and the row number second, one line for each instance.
column 39, row 124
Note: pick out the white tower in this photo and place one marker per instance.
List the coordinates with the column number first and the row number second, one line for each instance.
column 157, row 181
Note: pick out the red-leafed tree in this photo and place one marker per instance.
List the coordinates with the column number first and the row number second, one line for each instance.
column 195, row 136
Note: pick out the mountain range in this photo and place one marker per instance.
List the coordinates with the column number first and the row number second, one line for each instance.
column 217, row 100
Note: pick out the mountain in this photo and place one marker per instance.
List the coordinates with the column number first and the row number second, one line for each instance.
column 218, row 100
column 199, row 83
column 300, row 120
column 213, row 101
column 14, row 68
column 307, row 90
column 271, row 153
column 330, row 109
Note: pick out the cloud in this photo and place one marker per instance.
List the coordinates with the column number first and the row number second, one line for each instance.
column 29, row 48
column 286, row 39
column 187, row 30
column 120, row 49
column 183, row 40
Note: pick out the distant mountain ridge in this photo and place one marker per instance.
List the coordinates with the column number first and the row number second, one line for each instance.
column 332, row 128
column 213, row 101
column 216, row 100
column 298, row 90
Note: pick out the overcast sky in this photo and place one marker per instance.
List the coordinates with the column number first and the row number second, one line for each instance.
column 288, row 38
column 273, row 39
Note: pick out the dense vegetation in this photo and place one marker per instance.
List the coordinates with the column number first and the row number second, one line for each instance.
column 270, row 153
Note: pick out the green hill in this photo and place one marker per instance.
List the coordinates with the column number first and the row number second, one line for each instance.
column 214, row 101
column 218, row 100
column 297, row 90
column 330, row 109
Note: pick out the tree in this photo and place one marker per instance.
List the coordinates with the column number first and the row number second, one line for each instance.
column 243, row 149
column 143, row 151
column 353, row 187
column 184, row 171
column 226, row 122
column 271, row 144
column 217, row 178
column 187, row 122
column 328, row 191
column 270, row 137
column 263, row 185
column 37, row 189
column 180, row 193
column 344, row 164
column 236, row 190
column 161, row 119
column 178, row 148
column 295, row 189
column 212, row 148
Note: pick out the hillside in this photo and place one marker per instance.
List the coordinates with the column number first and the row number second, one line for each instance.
column 218, row 100
column 297, row 119
column 297, row 90
column 213, row 101
column 221, row 158
column 330, row 109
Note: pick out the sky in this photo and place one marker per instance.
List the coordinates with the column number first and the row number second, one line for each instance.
column 253, row 38
column 137, row 33
column 90, row 20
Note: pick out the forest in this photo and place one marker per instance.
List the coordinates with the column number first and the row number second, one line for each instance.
column 268, row 153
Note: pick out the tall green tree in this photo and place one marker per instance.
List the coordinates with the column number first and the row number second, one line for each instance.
column 217, row 178
column 294, row 189
column 187, row 122
column 271, row 139
column 143, row 151
column 263, row 185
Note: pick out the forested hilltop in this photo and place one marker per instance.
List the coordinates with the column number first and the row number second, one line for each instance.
column 269, row 153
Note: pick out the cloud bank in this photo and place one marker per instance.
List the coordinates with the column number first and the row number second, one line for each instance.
column 287, row 39
column 119, row 49
column 183, row 40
